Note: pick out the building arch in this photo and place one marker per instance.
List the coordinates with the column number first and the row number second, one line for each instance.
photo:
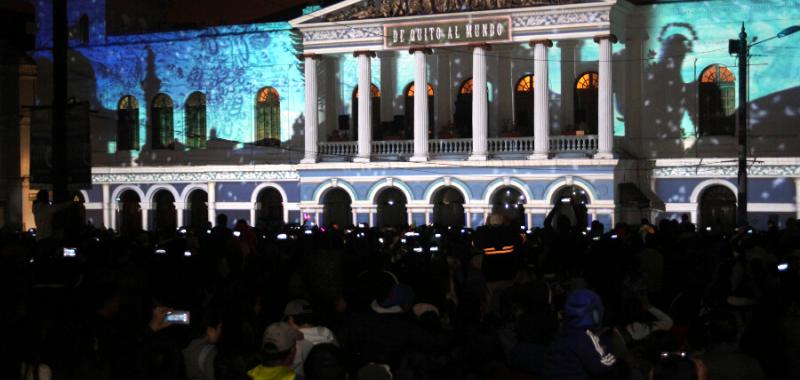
column 516, row 183
column 337, row 207
column 444, row 182
column 376, row 188
column 187, row 191
column 120, row 189
column 448, row 207
column 323, row 187
column 391, row 206
column 164, row 186
column 702, row 186
column 554, row 187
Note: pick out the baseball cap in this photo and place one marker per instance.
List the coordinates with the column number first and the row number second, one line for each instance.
column 297, row 307
column 282, row 335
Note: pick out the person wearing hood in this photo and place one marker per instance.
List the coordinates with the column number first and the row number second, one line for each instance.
column 298, row 314
column 577, row 351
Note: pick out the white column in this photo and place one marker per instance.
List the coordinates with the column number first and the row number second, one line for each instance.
column 364, row 107
column 311, row 117
column 797, row 197
column 371, row 219
column 605, row 100
column 180, row 208
column 529, row 218
column 107, row 206
column 479, row 105
column 427, row 216
column 420, row 106
column 212, row 202
column 410, row 216
column 145, row 217
column 253, row 214
column 468, row 216
column 541, row 101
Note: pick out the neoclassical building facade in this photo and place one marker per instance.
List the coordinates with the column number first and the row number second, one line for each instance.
column 405, row 112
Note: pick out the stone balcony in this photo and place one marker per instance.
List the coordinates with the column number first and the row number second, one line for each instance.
column 449, row 149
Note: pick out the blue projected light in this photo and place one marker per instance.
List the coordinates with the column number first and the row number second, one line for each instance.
column 229, row 64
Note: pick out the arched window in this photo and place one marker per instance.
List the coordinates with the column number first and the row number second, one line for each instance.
column 198, row 209
column 448, row 207
column 409, row 110
column 523, row 106
column 586, row 103
column 269, row 207
column 336, row 209
column 161, row 123
column 130, row 212
column 508, row 204
column 268, row 117
column 718, row 208
column 128, row 123
column 717, row 101
column 570, row 202
column 196, row 120
column 165, row 215
column 375, row 104
column 392, row 212
column 83, row 29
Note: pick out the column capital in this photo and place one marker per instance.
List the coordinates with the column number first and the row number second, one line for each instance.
column 545, row 42
column 309, row 55
column 609, row 37
column 424, row 49
column 483, row 45
column 368, row 53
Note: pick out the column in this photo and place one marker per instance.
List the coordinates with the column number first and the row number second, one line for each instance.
column 364, row 106
column 212, row 202
column 253, row 214
column 420, row 105
column 180, row 208
column 145, row 217
column 479, row 104
column 541, row 101
column 107, row 206
column 311, row 116
column 605, row 100
column 797, row 197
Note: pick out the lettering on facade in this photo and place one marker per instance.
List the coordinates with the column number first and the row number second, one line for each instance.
column 461, row 32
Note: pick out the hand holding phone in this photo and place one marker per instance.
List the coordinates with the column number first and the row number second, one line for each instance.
column 177, row 317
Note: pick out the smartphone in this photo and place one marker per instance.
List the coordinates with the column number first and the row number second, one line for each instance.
column 177, row 317
column 237, row 233
column 281, row 237
column 187, row 253
column 782, row 267
column 70, row 252
column 161, row 251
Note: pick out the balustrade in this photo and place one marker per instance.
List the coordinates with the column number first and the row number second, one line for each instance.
column 346, row 150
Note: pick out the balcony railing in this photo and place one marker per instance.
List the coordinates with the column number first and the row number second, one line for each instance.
column 443, row 148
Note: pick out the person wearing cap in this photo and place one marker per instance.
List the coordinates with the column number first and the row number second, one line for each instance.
column 279, row 347
column 298, row 314
column 577, row 351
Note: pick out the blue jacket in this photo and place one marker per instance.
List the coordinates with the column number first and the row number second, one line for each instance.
column 577, row 352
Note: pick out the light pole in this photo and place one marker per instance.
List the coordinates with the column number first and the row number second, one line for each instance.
column 741, row 48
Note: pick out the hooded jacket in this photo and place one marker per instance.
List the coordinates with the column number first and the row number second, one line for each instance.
column 577, row 352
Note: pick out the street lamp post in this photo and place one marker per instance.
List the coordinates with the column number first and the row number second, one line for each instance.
column 741, row 48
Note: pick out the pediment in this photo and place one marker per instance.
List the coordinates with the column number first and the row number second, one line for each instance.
column 353, row 10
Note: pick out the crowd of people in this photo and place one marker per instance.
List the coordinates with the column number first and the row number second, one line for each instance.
column 661, row 301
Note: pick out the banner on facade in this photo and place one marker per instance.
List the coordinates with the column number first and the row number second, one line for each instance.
column 444, row 33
